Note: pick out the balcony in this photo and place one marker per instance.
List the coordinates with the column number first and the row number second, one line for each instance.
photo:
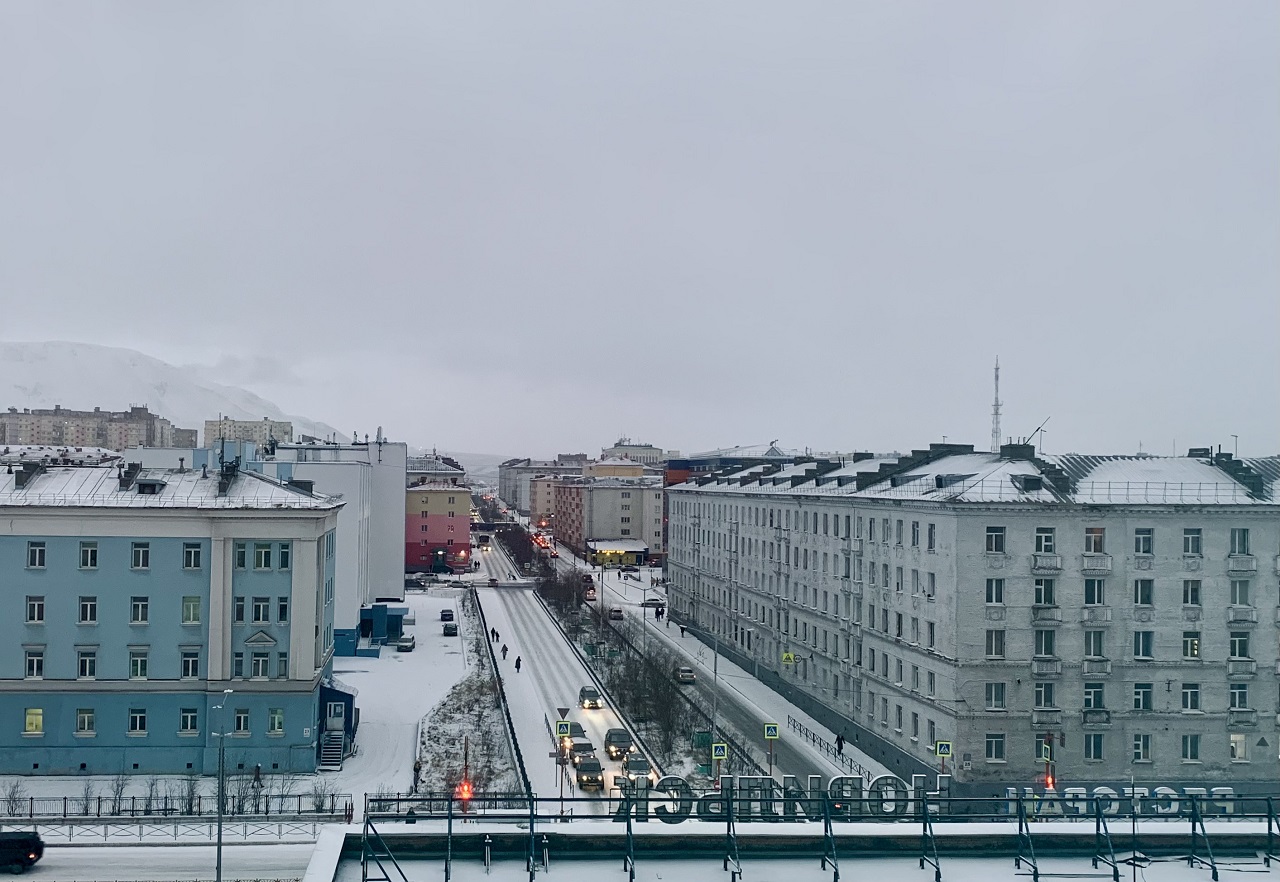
column 1095, row 666
column 853, row 546
column 1046, row 614
column 1241, row 667
column 1095, row 717
column 1046, row 716
column 1242, row 716
column 1242, row 563
column 1095, row 564
column 1095, row 614
column 1240, row 615
column 1046, row 667
column 1046, row 564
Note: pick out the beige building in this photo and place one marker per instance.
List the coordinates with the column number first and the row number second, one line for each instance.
column 257, row 431
column 590, row 509
column 114, row 430
column 645, row 454
column 614, row 467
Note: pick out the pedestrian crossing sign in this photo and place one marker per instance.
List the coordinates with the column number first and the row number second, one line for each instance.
column 943, row 748
column 562, row 728
column 719, row 751
column 771, row 731
column 788, row 658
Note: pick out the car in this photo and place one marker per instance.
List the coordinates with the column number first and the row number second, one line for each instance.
column 20, row 849
column 575, row 730
column 581, row 748
column 653, row 603
column 615, row 614
column 630, row 569
column 446, row 615
column 451, row 629
column 589, row 594
column 493, row 583
column 589, row 698
column 618, row 743
column 685, row 675
column 636, row 766
column 590, row 774
column 406, row 643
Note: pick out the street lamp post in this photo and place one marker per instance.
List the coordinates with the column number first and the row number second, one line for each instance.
column 222, row 789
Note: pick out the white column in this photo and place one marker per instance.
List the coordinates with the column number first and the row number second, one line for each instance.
column 220, row 572
column 303, row 601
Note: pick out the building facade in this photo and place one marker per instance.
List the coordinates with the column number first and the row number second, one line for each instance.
column 437, row 528
column 514, row 476
column 260, row 432
column 609, row 508
column 135, row 597
column 114, row 430
column 1080, row 619
column 645, row 454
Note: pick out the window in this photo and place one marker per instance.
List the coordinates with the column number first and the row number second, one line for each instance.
column 1190, row 644
column 1044, row 540
column 190, row 610
column 237, row 610
column 1191, row 696
column 915, row 534
column 261, row 610
column 1239, row 592
column 282, row 665
column 1142, row 748
column 1143, row 540
column 241, row 555
column 237, row 665
column 141, row 556
column 1095, row 592
column 191, row 555
column 1044, row 594
column 86, row 664
column 1191, row 748
column 88, row 611
column 1239, row 696
column 1143, row 591
column 190, row 664
column 88, row 555
column 35, row 555
column 275, row 721
column 884, row 531
column 1191, row 541
column 1094, row 644
column 188, row 721
column 932, row 534
column 1239, row 644
column 137, row 721
column 282, row 610
column 1093, row 746
column 995, row 644
column 933, row 733
column 1044, row 643
column 35, row 664
column 932, row 583
column 241, row 721
column 1143, row 696
column 35, row 609
column 995, row 696
column 1095, row 540
column 1044, row 694
column 260, row 665
column 33, row 721
column 1239, row 748
column 286, row 555
column 139, row 610
column 932, row 632
column 897, row 624
column 995, row 746
column 262, row 555
column 1239, row 540
column 995, row 591
column 85, row 721
column 138, row 664
column 1143, row 644
column 1191, row 592
column 995, row 540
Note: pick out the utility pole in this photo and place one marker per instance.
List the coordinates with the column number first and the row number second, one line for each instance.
column 222, row 777
column 715, row 690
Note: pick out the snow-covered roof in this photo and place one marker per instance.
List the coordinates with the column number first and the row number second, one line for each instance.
column 51, row 454
column 751, row 451
column 618, row 461
column 99, row 487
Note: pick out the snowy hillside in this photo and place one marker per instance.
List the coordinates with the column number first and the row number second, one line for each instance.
column 81, row 376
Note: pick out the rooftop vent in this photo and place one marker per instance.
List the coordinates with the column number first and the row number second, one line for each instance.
column 23, row 476
column 941, row 481
column 1028, row 483
column 903, row 480
column 1200, row 452
column 149, row 486
column 302, row 484
column 1017, row 451
column 128, row 475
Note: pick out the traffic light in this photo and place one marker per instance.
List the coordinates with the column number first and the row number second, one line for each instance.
column 1050, row 777
column 464, row 790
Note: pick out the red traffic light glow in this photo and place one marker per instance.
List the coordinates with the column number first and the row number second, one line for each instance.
column 464, row 790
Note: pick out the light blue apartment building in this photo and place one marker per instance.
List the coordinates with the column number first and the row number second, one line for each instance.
column 131, row 598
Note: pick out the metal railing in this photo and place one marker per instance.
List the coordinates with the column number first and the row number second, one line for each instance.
column 847, row 763
column 328, row 806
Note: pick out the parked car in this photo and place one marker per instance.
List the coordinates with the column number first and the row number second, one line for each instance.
column 636, row 766
column 653, row 602
column 589, row 698
column 630, row 569
column 451, row 629
column 446, row 615
column 615, row 614
column 580, row 749
column 590, row 774
column 685, row 675
column 20, row 849
column 406, row 643
column 618, row 743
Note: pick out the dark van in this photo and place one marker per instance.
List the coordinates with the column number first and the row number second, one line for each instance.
column 19, row 850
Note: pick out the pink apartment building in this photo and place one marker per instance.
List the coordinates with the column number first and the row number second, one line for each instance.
column 437, row 524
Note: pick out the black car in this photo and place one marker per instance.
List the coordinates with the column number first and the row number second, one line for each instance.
column 19, row 850
column 446, row 615
column 590, row 774
column 630, row 569
column 618, row 743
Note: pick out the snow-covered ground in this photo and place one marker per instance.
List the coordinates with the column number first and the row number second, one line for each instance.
column 175, row 862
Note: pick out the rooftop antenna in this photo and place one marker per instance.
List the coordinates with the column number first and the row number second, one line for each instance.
column 995, row 413
column 1031, row 439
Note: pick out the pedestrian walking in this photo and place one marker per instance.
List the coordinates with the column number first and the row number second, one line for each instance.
column 517, row 664
column 504, row 652
column 840, row 744
column 682, row 630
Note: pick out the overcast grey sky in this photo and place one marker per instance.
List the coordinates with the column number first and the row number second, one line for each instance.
column 528, row 227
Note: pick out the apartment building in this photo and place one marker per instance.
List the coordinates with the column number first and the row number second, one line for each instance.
column 260, row 432
column 591, row 509
column 136, row 596
column 514, row 476
column 1088, row 618
column 437, row 532
column 114, row 430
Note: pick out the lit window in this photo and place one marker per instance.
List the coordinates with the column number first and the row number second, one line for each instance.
column 33, row 723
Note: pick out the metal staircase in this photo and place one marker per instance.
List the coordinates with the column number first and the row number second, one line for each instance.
column 331, row 751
